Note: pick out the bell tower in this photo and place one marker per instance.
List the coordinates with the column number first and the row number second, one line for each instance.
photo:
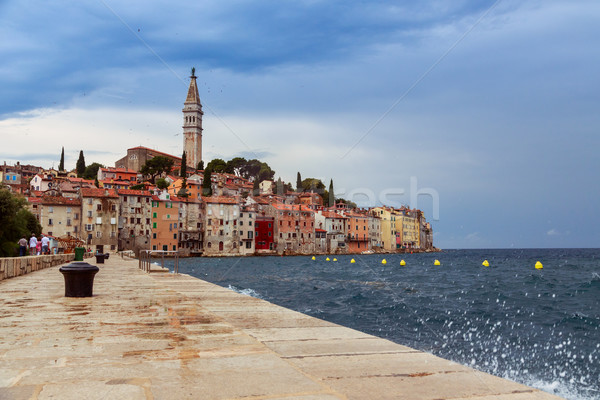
column 192, row 124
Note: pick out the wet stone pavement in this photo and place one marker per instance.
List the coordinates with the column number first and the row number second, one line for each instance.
column 167, row 336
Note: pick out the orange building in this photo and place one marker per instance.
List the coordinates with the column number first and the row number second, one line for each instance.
column 358, row 232
column 165, row 222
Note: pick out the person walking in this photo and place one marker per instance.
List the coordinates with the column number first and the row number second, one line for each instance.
column 32, row 244
column 45, row 245
column 38, row 247
column 22, row 246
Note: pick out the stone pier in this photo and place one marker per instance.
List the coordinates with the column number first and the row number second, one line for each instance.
column 166, row 336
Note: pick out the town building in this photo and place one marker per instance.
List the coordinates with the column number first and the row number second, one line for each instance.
column 59, row 216
column 191, row 226
column 165, row 222
column 247, row 229
column 137, row 156
column 221, row 235
column 99, row 218
column 294, row 228
column 135, row 224
column 358, row 232
column 336, row 226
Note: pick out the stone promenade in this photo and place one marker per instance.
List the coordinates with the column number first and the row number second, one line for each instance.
column 166, row 336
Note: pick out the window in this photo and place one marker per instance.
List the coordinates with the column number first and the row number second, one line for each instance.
column 98, row 207
column 113, row 207
column 174, row 236
column 165, row 247
column 89, row 227
column 89, row 214
column 154, row 236
column 98, row 234
column 154, row 215
column 50, row 221
column 250, row 223
column 154, row 225
column 68, row 221
column 68, row 210
column 268, row 225
column 76, row 216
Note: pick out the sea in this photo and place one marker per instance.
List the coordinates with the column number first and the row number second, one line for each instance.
column 539, row 327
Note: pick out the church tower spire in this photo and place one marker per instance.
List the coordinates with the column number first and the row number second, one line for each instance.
column 192, row 124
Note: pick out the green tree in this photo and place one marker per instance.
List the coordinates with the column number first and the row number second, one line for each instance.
column 183, row 170
column 157, row 166
column 61, row 165
column 207, row 183
column 312, row 185
column 200, row 166
column 298, row 182
column 217, row 165
column 16, row 221
column 162, row 183
column 236, row 166
column 91, row 171
column 80, row 167
column 139, row 186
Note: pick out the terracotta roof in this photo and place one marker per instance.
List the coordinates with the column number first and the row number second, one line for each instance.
column 87, row 192
column 331, row 214
column 60, row 200
column 116, row 169
column 130, row 192
column 155, row 151
column 220, row 200
column 291, row 207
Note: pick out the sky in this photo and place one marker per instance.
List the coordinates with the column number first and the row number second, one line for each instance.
column 483, row 114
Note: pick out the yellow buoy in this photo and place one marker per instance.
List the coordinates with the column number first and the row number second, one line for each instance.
column 384, row 261
column 314, row 258
column 327, row 259
column 335, row 259
column 352, row 261
column 485, row 263
column 538, row 265
column 436, row 262
column 402, row 262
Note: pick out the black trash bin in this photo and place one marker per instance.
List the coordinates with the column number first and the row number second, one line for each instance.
column 100, row 257
column 79, row 279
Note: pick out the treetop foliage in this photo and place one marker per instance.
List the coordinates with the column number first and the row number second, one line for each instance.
column 16, row 221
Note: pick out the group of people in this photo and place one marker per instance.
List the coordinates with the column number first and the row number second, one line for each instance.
column 36, row 246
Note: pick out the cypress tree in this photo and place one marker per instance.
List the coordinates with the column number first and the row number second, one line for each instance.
column 298, row 182
column 200, row 165
column 80, row 164
column 256, row 187
column 206, row 183
column 61, row 165
column 331, row 194
column 183, row 170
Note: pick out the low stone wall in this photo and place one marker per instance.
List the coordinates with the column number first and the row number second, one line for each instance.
column 16, row 266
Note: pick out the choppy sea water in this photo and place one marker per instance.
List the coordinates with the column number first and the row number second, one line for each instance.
column 537, row 327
